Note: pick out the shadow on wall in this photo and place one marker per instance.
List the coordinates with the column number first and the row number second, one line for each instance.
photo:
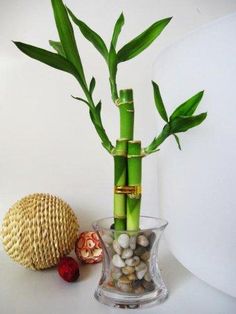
column 173, row 273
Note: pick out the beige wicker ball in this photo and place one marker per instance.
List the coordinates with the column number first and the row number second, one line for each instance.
column 38, row 230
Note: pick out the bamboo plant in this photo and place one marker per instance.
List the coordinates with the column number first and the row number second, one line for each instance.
column 128, row 152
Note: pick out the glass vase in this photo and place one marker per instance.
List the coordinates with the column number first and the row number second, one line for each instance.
column 130, row 275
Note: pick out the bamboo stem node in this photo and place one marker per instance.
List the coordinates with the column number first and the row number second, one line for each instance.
column 135, row 156
column 119, row 217
column 119, row 102
column 125, row 102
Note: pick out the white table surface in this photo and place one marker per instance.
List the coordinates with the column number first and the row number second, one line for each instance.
column 24, row 291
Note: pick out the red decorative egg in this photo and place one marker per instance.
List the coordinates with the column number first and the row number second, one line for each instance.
column 88, row 248
column 68, row 269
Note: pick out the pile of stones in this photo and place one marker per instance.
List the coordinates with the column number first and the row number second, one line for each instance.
column 130, row 255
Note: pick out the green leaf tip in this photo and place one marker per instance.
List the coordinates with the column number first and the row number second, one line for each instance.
column 177, row 141
column 67, row 38
column 122, row 16
column 112, row 66
column 81, row 99
column 142, row 41
column 92, row 85
column 112, row 62
column 188, row 107
column 159, row 102
column 117, row 29
column 17, row 43
column 90, row 35
column 184, row 123
column 50, row 58
column 57, row 46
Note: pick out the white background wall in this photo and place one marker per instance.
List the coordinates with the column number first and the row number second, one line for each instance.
column 47, row 143
column 197, row 186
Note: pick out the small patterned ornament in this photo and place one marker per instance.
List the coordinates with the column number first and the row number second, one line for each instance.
column 88, row 248
column 68, row 269
column 38, row 230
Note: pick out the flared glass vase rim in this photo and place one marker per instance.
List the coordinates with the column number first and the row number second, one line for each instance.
column 156, row 223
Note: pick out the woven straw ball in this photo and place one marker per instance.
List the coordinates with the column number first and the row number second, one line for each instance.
column 38, row 230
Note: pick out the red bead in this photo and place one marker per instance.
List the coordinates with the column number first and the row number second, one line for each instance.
column 68, row 269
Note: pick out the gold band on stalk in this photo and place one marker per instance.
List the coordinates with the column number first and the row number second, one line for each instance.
column 133, row 191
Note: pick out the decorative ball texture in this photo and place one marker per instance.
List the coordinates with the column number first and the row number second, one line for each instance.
column 68, row 269
column 38, row 230
column 88, row 248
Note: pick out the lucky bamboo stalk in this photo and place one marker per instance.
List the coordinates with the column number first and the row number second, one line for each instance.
column 120, row 180
column 127, row 153
column 134, row 180
column 126, row 108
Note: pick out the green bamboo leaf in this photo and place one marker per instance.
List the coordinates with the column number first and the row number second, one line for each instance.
column 154, row 150
column 98, row 110
column 183, row 123
column 97, row 125
column 101, row 132
column 141, row 42
column 159, row 102
column 67, row 37
column 57, row 46
column 99, row 107
column 158, row 140
column 90, row 35
column 188, row 107
column 177, row 141
column 112, row 62
column 81, row 99
column 92, row 85
column 112, row 65
column 50, row 58
column 117, row 29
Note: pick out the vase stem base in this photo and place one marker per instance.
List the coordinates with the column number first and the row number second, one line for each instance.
column 126, row 301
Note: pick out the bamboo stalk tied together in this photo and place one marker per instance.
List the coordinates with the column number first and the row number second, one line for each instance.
column 127, row 153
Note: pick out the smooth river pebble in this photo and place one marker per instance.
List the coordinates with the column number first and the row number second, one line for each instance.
column 141, row 270
column 141, row 266
column 123, row 240
column 148, row 285
column 117, row 261
column 132, row 242
column 134, row 261
column 116, row 247
column 132, row 277
column 139, row 250
column 142, row 240
column 136, row 283
column 124, row 287
column 147, row 277
column 140, row 274
column 145, row 256
column 124, row 279
column 116, row 273
column 127, row 253
column 127, row 270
